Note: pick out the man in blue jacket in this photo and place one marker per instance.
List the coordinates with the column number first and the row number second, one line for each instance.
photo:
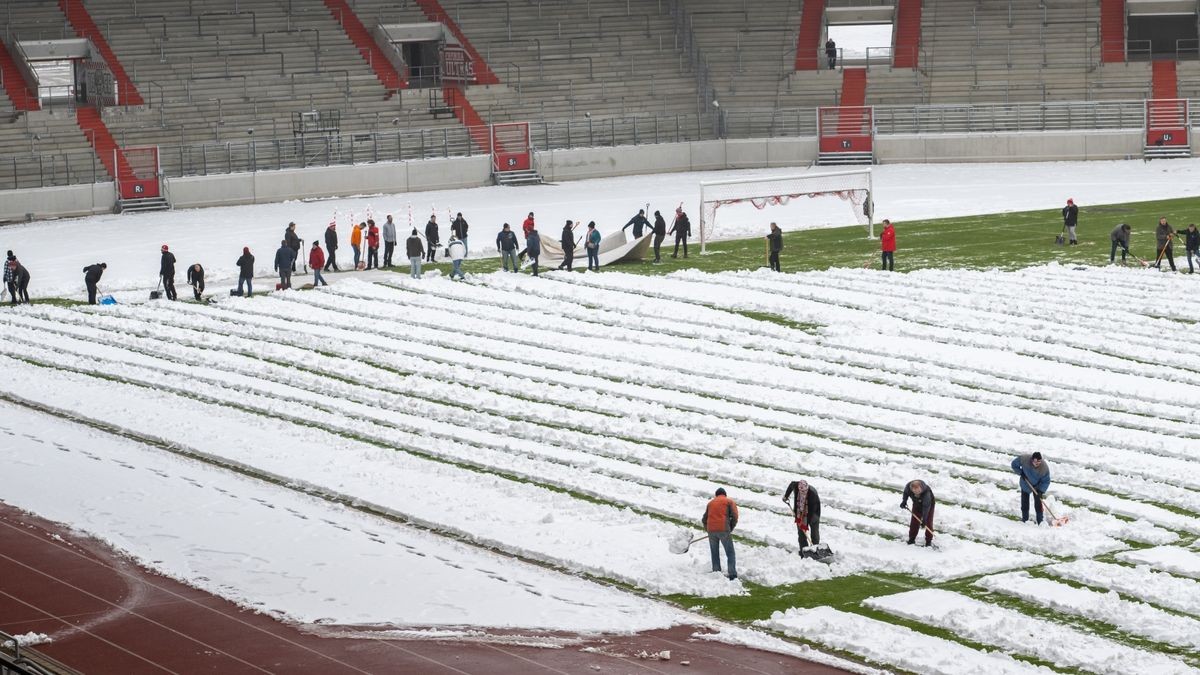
column 1035, row 477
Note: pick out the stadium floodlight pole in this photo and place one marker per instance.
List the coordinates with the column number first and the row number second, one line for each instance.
column 781, row 189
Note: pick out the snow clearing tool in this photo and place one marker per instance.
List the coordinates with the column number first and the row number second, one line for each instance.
column 820, row 552
column 923, row 525
column 1163, row 251
column 156, row 294
column 682, row 541
column 1060, row 239
column 1054, row 521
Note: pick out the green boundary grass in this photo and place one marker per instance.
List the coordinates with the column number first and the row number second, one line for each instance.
column 1003, row 240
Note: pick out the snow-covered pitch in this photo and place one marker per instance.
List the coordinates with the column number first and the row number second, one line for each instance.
column 577, row 421
column 514, row 453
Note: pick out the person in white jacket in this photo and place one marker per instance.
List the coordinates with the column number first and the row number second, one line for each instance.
column 458, row 251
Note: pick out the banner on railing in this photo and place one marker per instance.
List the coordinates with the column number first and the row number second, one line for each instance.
column 141, row 179
column 457, row 65
column 511, row 150
column 1167, row 123
column 845, row 129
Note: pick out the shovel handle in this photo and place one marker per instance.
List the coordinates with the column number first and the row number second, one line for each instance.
column 914, row 515
column 1053, row 518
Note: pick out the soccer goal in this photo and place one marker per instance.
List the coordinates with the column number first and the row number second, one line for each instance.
column 833, row 199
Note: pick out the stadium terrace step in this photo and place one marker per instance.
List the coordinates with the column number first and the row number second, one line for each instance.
column 528, row 177
column 1165, row 81
column 433, row 10
column 14, row 83
column 84, row 27
column 1166, row 152
column 908, row 33
column 845, row 159
column 1112, row 31
column 103, row 143
column 371, row 53
column 144, row 205
column 456, row 98
column 808, row 39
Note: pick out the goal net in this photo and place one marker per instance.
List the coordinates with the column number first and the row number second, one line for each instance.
column 805, row 201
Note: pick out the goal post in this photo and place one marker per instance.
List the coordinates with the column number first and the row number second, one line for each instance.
column 852, row 188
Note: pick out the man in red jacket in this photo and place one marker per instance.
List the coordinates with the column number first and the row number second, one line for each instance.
column 316, row 260
column 719, row 519
column 887, row 243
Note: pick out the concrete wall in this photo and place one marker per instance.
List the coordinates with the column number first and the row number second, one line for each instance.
column 560, row 165
column 580, row 163
column 53, row 202
column 1013, row 147
column 332, row 181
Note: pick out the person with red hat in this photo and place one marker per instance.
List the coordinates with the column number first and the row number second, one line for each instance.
column 1070, row 214
column 166, row 270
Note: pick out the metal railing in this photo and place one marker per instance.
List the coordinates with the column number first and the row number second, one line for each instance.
column 950, row 119
column 300, row 151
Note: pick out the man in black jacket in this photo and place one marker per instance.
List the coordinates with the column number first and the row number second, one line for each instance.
column 293, row 242
column 1191, row 241
column 459, row 229
column 638, row 222
column 166, row 269
column 331, row 244
column 433, row 239
column 1070, row 214
column 922, row 511
column 91, row 277
column 246, row 272
column 682, row 227
column 415, row 251
column 806, row 509
column 195, row 277
column 660, row 233
column 285, row 261
column 774, row 247
column 567, row 241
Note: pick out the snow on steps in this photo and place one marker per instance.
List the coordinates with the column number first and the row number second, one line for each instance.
column 1018, row 632
column 890, row 645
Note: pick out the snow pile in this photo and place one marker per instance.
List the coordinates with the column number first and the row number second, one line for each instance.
column 30, row 639
column 894, row 646
column 1136, row 618
column 1159, row 588
column 1020, row 633
column 1170, row 558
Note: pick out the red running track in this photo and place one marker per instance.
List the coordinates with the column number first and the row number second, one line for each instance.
column 105, row 614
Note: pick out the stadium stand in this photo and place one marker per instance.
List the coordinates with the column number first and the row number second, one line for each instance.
column 614, row 60
column 242, row 85
column 216, row 76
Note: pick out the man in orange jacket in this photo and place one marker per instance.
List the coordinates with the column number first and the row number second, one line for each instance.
column 719, row 519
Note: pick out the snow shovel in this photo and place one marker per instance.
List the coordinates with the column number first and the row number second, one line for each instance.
column 820, row 552
column 1060, row 240
column 1054, row 521
column 156, row 294
column 682, row 541
column 1163, row 251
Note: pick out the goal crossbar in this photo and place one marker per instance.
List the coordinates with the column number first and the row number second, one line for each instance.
column 707, row 187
